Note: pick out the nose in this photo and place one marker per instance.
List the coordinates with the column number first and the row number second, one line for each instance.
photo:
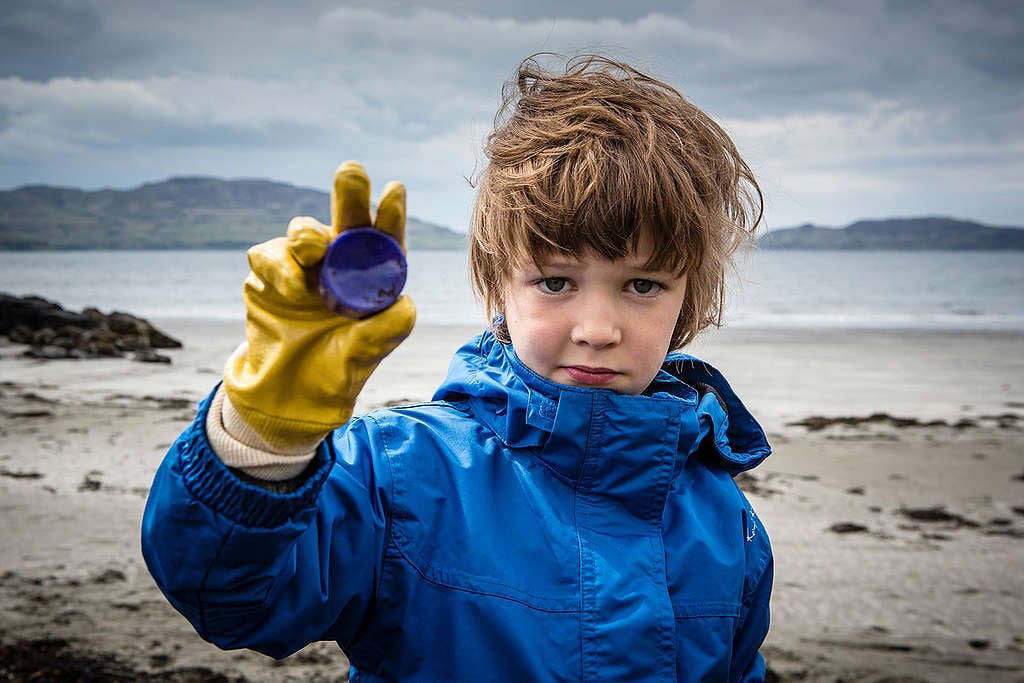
column 596, row 324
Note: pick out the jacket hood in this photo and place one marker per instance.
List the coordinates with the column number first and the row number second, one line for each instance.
column 524, row 409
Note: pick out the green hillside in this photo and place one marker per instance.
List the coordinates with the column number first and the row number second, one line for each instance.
column 180, row 213
column 898, row 234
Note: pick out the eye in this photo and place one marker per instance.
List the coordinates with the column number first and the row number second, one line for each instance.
column 644, row 287
column 553, row 285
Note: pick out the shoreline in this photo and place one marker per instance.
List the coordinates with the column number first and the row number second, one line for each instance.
column 899, row 540
column 783, row 375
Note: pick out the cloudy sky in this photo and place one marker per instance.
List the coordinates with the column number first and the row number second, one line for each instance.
column 845, row 110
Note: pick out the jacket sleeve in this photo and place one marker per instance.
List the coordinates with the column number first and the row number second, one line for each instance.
column 748, row 664
column 253, row 568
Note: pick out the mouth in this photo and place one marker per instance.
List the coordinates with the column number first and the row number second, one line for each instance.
column 588, row 376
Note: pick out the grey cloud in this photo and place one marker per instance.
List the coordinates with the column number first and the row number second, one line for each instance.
column 47, row 23
column 49, row 38
column 83, row 114
column 861, row 94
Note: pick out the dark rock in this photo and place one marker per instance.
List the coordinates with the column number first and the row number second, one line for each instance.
column 150, row 356
column 129, row 325
column 36, row 312
column 43, row 337
column 848, row 528
column 51, row 353
column 21, row 334
column 54, row 333
column 123, row 323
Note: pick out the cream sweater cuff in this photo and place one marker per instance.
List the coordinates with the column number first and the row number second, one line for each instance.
column 240, row 447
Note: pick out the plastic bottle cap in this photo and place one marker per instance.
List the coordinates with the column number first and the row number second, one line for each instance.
column 363, row 272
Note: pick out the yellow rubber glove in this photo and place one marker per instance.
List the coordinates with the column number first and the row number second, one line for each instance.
column 298, row 375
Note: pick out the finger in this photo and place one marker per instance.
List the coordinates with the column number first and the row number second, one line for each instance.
column 350, row 197
column 391, row 212
column 307, row 240
column 377, row 336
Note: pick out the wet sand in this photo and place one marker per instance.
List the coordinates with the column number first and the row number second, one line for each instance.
column 894, row 499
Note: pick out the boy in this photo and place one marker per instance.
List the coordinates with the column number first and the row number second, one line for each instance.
column 564, row 509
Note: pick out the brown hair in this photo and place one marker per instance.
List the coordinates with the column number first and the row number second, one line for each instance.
column 597, row 157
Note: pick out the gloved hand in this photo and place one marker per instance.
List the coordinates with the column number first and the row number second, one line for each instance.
column 298, row 375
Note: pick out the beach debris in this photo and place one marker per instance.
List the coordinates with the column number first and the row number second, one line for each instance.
column 150, row 401
column 753, row 485
column 30, row 396
column 848, row 528
column 53, row 659
column 54, row 333
column 1004, row 531
column 17, row 474
column 816, row 423
column 27, row 413
column 858, row 644
column 91, row 481
column 1004, row 420
column 109, row 575
column 937, row 515
column 397, row 402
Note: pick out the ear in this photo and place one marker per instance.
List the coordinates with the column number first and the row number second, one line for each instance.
column 500, row 329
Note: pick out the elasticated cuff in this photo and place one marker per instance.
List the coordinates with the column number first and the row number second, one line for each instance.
column 213, row 484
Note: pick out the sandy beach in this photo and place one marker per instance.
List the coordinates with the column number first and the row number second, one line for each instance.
column 894, row 500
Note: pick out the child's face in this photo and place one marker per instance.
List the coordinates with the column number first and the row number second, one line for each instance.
column 591, row 322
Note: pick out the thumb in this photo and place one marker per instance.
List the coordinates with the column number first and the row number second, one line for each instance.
column 307, row 240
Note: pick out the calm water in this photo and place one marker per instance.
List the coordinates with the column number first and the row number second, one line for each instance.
column 952, row 290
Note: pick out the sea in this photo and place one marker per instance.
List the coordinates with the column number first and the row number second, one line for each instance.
column 776, row 289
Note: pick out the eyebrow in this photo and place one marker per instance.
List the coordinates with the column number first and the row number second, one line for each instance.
column 639, row 270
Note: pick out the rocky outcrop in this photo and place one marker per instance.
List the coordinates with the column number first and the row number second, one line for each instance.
column 52, row 332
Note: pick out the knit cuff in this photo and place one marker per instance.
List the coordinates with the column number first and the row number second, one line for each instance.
column 240, row 447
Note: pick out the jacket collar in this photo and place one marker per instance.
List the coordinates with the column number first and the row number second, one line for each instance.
column 526, row 410
column 739, row 441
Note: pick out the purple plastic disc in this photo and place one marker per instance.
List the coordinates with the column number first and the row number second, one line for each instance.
column 363, row 272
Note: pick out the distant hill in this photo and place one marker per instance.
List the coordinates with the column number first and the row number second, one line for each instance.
column 898, row 234
column 180, row 213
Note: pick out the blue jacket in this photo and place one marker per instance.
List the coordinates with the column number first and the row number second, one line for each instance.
column 513, row 529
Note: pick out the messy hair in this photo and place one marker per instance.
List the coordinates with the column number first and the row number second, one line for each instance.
column 596, row 158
